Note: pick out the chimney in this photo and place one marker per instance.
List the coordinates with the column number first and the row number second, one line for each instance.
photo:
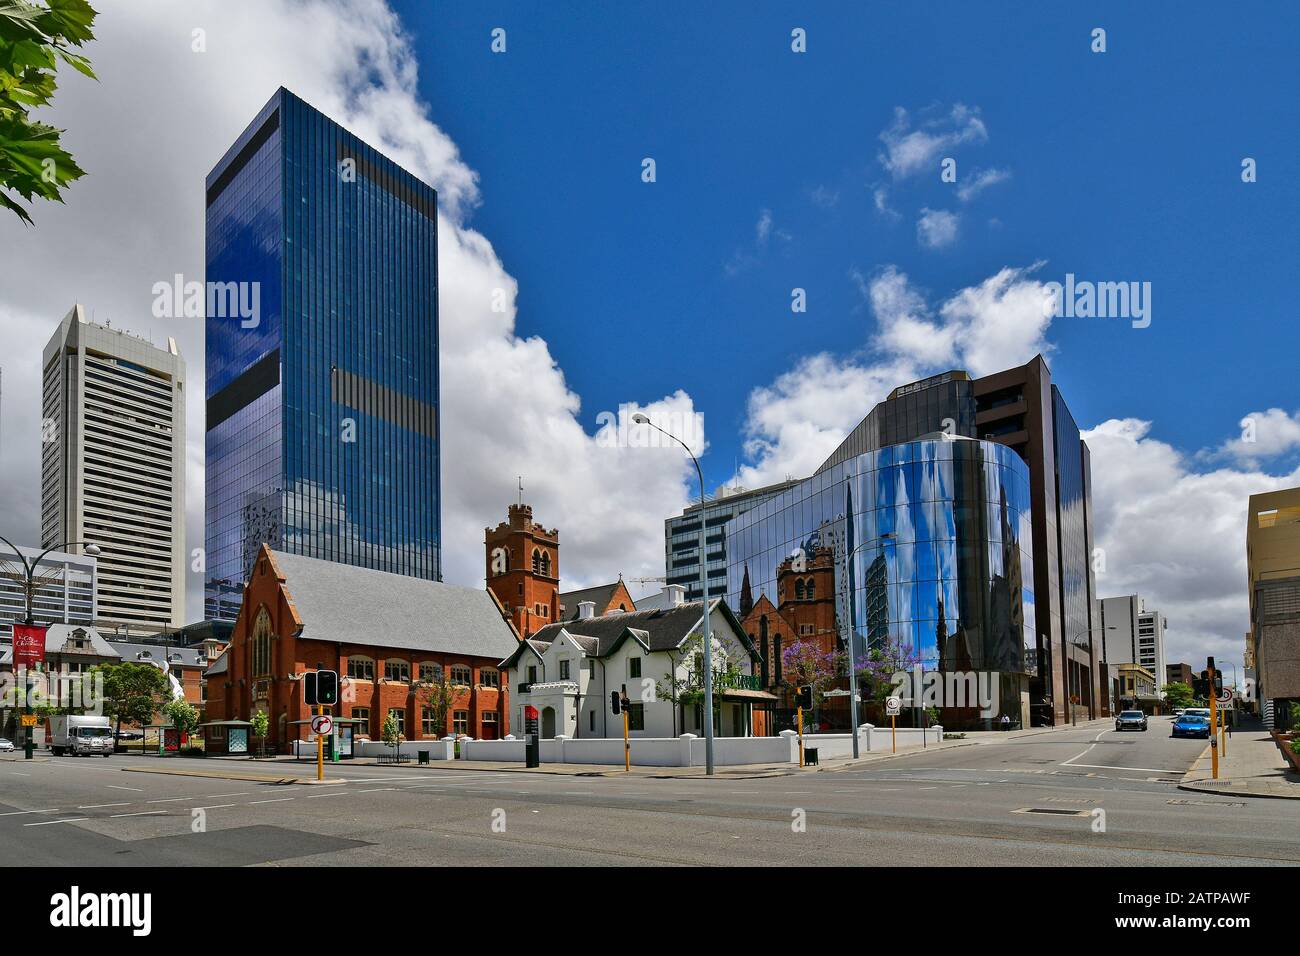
column 676, row 594
column 586, row 609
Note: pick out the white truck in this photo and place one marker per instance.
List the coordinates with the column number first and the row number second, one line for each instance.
column 81, row 735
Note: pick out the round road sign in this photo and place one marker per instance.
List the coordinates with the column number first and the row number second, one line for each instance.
column 322, row 725
column 893, row 706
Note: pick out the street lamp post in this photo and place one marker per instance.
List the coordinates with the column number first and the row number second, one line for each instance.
column 1069, row 673
column 852, row 641
column 29, row 594
column 707, row 677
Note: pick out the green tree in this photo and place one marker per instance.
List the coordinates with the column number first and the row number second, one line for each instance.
column 34, row 37
column 261, row 726
column 392, row 736
column 183, row 715
column 436, row 696
column 1178, row 694
column 132, row 691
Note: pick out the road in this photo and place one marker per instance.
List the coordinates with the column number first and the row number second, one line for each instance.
column 1028, row 800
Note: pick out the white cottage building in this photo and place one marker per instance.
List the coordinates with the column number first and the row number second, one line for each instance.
column 568, row 669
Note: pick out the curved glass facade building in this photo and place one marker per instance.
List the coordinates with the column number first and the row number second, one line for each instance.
column 924, row 545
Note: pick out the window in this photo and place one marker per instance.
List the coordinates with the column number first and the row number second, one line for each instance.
column 399, row 715
column 805, row 629
column 634, row 667
column 564, row 670
column 431, row 673
column 460, row 674
column 489, row 677
column 396, row 670
column 428, row 726
column 636, row 717
column 537, row 562
column 361, row 668
column 489, row 717
column 591, row 721
column 532, row 674
column 362, row 716
column 261, row 644
column 812, row 590
column 460, row 721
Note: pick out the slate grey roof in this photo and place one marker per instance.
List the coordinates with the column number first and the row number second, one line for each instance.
column 129, row 651
column 663, row 628
column 343, row 604
column 59, row 634
column 220, row 666
column 600, row 595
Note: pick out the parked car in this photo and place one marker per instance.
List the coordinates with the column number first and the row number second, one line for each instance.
column 1178, row 711
column 1191, row 725
column 130, row 735
column 6, row 746
column 1131, row 720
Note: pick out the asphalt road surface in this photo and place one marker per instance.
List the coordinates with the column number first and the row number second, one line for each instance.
column 1074, row 797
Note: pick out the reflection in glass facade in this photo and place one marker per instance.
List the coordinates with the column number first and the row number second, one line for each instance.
column 321, row 412
column 931, row 544
column 1072, row 524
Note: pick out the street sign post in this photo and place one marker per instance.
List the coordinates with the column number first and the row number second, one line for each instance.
column 322, row 725
column 893, row 707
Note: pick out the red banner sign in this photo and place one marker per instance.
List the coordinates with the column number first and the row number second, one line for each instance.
column 29, row 645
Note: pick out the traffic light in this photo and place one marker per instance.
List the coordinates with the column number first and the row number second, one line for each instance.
column 327, row 688
column 615, row 700
column 803, row 696
column 320, row 688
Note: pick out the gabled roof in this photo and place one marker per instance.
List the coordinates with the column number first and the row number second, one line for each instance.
column 601, row 595
column 57, row 635
column 661, row 629
column 340, row 603
column 189, row 656
column 220, row 666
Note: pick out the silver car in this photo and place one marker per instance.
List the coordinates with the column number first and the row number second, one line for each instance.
column 6, row 746
column 1131, row 720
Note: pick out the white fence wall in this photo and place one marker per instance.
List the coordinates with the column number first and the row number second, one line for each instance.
column 688, row 750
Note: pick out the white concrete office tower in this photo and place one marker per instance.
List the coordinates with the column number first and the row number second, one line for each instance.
column 113, row 465
column 65, row 589
column 1139, row 635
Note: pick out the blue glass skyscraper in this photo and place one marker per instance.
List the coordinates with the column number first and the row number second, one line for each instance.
column 322, row 354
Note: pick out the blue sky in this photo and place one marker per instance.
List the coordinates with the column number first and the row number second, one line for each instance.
column 1123, row 165
column 1115, row 166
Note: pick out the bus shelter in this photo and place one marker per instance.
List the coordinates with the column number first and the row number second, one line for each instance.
column 227, row 737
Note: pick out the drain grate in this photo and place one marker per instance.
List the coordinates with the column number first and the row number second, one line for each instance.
column 1054, row 811
column 1203, row 803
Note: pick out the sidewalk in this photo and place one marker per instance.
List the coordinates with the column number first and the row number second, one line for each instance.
column 1253, row 767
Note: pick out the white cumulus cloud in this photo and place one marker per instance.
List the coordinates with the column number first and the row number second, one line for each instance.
column 149, row 132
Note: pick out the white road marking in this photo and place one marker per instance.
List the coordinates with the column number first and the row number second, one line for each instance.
column 374, row 790
column 114, row 787
column 277, row 800
column 1098, row 766
column 141, row 813
column 318, row 796
column 169, row 800
column 101, row 806
column 219, row 806
column 213, row 796
column 19, row 813
column 47, row 823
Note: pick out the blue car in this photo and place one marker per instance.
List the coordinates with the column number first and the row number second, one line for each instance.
column 1190, row 725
